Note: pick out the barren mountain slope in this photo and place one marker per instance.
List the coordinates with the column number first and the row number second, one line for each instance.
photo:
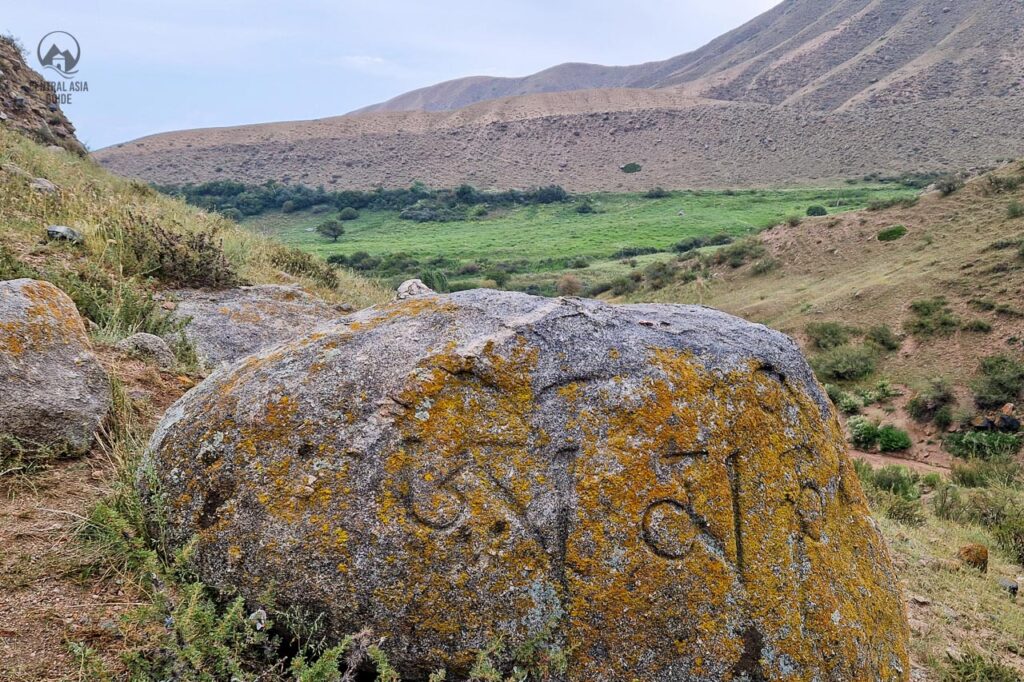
column 823, row 54
column 799, row 94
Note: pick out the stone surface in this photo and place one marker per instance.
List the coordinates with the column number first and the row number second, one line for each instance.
column 148, row 347
column 660, row 491
column 231, row 324
column 43, row 185
column 411, row 288
column 53, row 392
column 60, row 232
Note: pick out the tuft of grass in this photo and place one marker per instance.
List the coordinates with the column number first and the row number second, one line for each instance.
column 893, row 233
column 844, row 363
column 972, row 666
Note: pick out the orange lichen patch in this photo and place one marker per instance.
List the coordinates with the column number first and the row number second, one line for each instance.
column 49, row 318
column 736, row 452
column 456, row 494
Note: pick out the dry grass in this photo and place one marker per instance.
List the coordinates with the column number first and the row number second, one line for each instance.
column 99, row 205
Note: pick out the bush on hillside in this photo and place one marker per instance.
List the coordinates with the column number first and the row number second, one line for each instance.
column 1015, row 210
column 436, row 280
column 739, row 253
column 863, row 433
column 883, row 337
column 631, row 168
column 348, row 213
column 926, row 404
column 569, row 285
column 826, row 335
column 693, row 243
column 932, row 316
column 657, row 193
column 1001, row 381
column 844, row 363
column 986, row 445
column 949, row 184
column 893, row 439
column 816, row 211
column 187, row 259
column 893, row 233
column 586, row 206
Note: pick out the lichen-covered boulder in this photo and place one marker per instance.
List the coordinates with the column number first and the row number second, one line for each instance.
column 224, row 326
column 148, row 347
column 54, row 394
column 656, row 492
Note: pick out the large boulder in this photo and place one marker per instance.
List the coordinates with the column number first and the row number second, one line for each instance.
column 54, row 394
column 231, row 324
column 658, row 492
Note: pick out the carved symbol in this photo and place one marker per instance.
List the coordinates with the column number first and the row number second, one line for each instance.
column 668, row 529
column 437, row 506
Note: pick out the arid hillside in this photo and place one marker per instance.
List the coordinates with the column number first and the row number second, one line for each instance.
column 796, row 95
column 849, row 52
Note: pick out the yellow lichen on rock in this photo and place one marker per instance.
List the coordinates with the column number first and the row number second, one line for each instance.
column 650, row 503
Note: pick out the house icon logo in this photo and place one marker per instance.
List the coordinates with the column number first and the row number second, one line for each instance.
column 59, row 51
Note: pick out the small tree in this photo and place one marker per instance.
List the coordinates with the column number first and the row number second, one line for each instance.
column 331, row 229
column 348, row 213
column 816, row 210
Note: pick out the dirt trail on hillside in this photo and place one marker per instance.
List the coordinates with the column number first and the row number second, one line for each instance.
column 53, row 594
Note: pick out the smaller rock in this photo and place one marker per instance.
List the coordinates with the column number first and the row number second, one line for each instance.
column 60, row 232
column 975, row 556
column 412, row 288
column 43, row 185
column 1010, row 586
column 147, row 347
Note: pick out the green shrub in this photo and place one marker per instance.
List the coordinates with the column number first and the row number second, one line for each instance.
column 932, row 316
column 924, row 406
column 302, row 264
column 1015, row 210
column 972, row 666
column 793, row 220
column 893, row 439
column 739, row 253
column 863, row 433
column 983, row 444
column 845, row 363
column 944, row 417
column 883, row 337
column 631, row 168
column 980, row 326
column 188, row 259
column 932, row 480
column 657, row 193
column 893, row 233
column 982, row 473
column 436, row 280
column 764, row 266
column 826, row 335
column 847, row 403
column 906, row 512
column 881, row 392
column 620, row 286
column 1001, row 381
column 816, row 211
column 498, row 276
column 898, row 480
column 348, row 213
column 864, row 472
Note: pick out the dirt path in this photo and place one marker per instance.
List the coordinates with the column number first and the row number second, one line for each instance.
column 53, row 595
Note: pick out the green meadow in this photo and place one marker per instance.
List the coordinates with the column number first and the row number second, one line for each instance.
column 535, row 244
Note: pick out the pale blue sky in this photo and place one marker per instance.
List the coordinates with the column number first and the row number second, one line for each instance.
column 159, row 66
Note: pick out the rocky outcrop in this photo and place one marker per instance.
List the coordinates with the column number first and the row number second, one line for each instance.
column 148, row 347
column 27, row 104
column 231, row 324
column 654, row 492
column 54, row 394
